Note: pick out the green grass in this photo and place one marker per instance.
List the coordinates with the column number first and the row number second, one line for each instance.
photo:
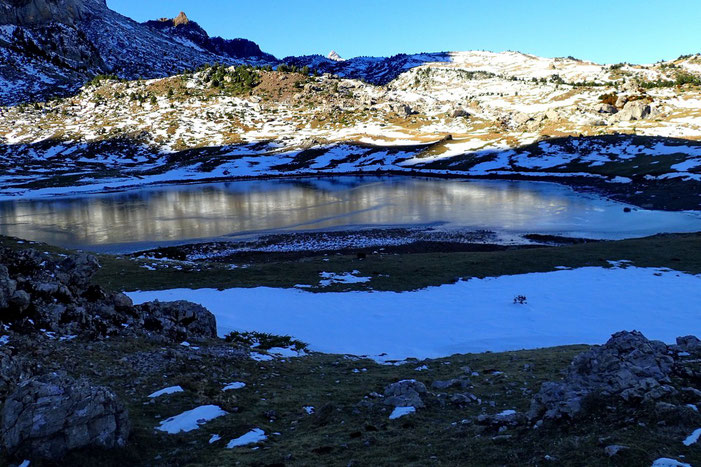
column 347, row 426
column 391, row 272
column 408, row 271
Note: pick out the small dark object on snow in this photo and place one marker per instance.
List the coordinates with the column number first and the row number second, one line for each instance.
column 520, row 300
column 627, row 209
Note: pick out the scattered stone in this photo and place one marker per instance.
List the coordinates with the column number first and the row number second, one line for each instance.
column 505, row 418
column 614, row 449
column 463, row 399
column 605, row 109
column 49, row 415
column 462, row 382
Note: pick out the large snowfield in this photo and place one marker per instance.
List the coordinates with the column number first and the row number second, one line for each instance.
column 578, row 306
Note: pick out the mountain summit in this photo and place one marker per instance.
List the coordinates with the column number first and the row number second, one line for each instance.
column 333, row 55
column 181, row 19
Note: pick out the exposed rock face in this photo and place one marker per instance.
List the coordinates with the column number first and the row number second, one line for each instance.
column 54, row 46
column 38, row 292
column 179, row 320
column 181, row 26
column 406, row 393
column 181, row 19
column 36, row 12
column 47, row 416
column 628, row 366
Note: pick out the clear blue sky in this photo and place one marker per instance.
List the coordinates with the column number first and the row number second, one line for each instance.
column 606, row 31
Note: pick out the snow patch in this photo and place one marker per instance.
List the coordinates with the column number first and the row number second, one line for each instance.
column 190, row 420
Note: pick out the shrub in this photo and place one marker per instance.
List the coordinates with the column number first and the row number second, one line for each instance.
column 264, row 341
column 609, row 98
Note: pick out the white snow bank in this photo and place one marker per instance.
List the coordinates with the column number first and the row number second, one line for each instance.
column 190, row 420
column 399, row 412
column 583, row 305
column 232, row 386
column 252, row 437
column 166, row 391
column 693, row 437
column 330, row 278
column 666, row 462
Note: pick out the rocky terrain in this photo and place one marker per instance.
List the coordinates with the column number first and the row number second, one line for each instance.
column 50, row 48
column 76, row 389
column 620, row 128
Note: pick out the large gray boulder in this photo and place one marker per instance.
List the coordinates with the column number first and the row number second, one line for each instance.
column 628, row 366
column 178, row 320
column 50, row 415
column 405, row 393
column 634, row 110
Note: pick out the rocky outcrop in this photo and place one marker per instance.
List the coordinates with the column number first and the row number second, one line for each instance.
column 47, row 416
column 179, row 320
column 405, row 393
column 52, row 47
column 182, row 27
column 38, row 292
column 37, row 12
column 628, row 367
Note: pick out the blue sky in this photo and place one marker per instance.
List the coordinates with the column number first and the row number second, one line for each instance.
column 642, row 31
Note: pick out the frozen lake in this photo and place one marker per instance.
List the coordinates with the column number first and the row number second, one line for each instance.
column 170, row 214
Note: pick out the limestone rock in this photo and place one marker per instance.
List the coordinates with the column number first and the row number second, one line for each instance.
column 628, row 366
column 37, row 12
column 690, row 344
column 462, row 383
column 179, row 320
column 634, row 110
column 50, row 415
column 406, row 393
column 605, row 109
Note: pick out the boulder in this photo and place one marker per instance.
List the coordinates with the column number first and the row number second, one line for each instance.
column 634, row 110
column 459, row 112
column 553, row 115
column 462, row 383
column 628, row 366
column 178, row 320
column 605, row 109
column 50, row 415
column 405, row 393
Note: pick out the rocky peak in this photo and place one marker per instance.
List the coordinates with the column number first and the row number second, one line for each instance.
column 333, row 55
column 181, row 19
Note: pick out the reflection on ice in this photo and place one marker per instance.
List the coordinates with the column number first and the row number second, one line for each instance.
column 167, row 214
